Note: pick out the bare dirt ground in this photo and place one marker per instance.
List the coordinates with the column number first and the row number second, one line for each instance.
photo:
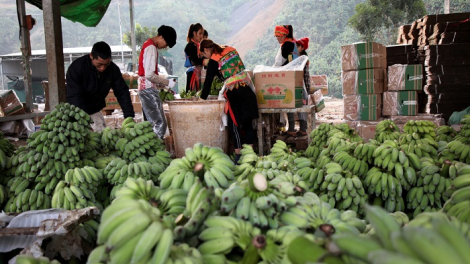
column 333, row 109
column 260, row 19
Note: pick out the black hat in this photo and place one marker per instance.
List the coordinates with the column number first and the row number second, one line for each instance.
column 169, row 34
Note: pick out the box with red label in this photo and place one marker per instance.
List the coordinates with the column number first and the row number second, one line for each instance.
column 111, row 101
column 10, row 103
column 279, row 89
column 365, row 107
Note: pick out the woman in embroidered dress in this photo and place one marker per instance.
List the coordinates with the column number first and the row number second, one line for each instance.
column 288, row 52
column 241, row 105
column 193, row 59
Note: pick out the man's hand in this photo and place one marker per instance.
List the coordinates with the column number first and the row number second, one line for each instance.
column 172, row 82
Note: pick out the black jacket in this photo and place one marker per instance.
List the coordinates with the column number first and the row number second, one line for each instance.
column 87, row 88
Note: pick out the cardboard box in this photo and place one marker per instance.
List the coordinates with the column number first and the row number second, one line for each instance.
column 366, row 129
column 111, row 101
column 365, row 55
column 369, row 81
column 436, row 119
column 131, row 79
column 316, row 99
column 366, row 107
column 279, row 89
column 403, row 103
column 405, row 77
column 319, row 82
column 137, row 107
column 10, row 103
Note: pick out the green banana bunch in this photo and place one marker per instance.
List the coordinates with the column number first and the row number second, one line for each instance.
column 346, row 131
column 70, row 197
column 459, row 190
column 311, row 212
column 208, row 163
column 222, row 234
column 350, row 163
column 201, row 201
column 320, row 134
column 161, row 157
column 386, row 130
column 183, row 253
column 337, row 141
column 6, row 146
column 342, row 190
column 457, row 150
column 28, row 259
column 464, row 135
column 139, row 189
column 445, row 133
column 268, row 167
column 296, row 180
column 132, row 231
column 421, row 127
column 365, row 152
column 109, row 137
column 187, row 95
column 91, row 231
column 386, row 188
column 248, row 155
column 281, row 152
column 429, row 193
column 28, row 199
column 256, row 200
column 88, row 176
column 3, row 194
column 279, row 239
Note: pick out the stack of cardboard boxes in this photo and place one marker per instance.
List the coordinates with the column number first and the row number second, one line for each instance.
column 364, row 79
column 404, row 82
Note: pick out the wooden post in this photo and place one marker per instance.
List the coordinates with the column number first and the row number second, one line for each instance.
column 54, row 52
column 446, row 6
column 26, row 54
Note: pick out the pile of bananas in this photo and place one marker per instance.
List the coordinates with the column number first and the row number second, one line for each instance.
column 464, row 134
column 189, row 94
column 27, row 200
column 445, row 133
column 210, row 164
column 458, row 205
column 311, row 212
column 343, row 130
column 131, row 231
column 342, row 190
column 27, row 259
column 166, row 95
column 442, row 242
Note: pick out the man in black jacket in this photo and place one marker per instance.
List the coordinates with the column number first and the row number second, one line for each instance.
column 89, row 79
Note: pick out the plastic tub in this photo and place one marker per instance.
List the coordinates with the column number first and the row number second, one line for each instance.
column 197, row 121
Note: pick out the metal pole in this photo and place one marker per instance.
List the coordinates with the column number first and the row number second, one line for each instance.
column 446, row 6
column 1, row 72
column 54, row 53
column 120, row 34
column 26, row 53
column 131, row 10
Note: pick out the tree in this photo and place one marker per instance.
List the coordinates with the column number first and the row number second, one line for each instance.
column 380, row 19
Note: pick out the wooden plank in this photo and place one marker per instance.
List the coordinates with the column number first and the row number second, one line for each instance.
column 455, row 37
column 446, row 88
column 433, row 19
column 448, row 69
